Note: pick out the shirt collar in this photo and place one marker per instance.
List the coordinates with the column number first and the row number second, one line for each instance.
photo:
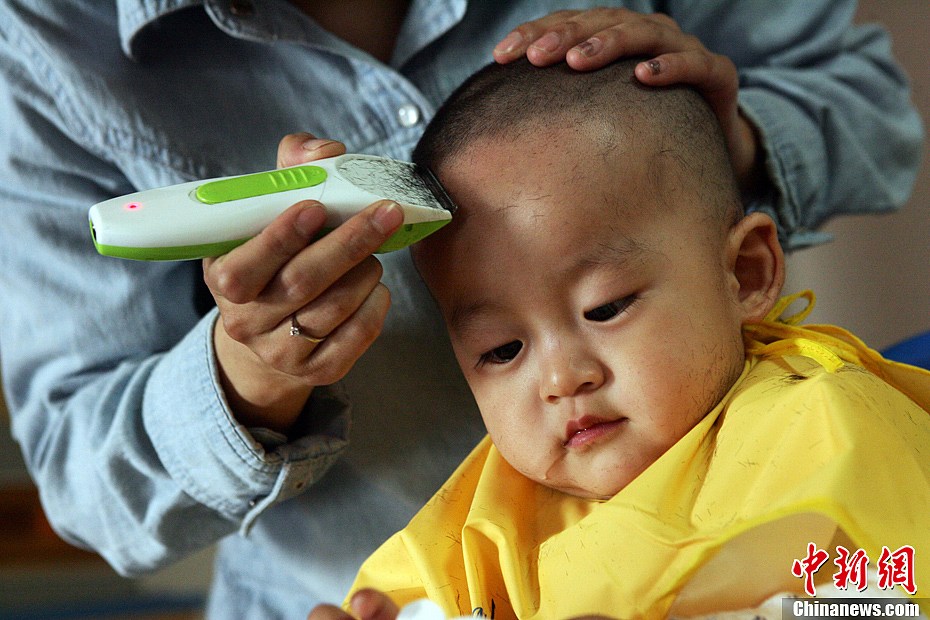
column 430, row 18
column 136, row 15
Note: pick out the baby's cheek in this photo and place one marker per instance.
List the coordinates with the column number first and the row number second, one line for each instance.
column 716, row 372
column 525, row 449
column 505, row 437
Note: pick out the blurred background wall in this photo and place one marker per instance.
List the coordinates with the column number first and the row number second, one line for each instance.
column 874, row 278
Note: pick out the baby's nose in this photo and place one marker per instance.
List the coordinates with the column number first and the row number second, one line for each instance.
column 567, row 375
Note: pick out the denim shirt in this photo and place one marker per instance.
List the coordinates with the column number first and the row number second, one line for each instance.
column 108, row 365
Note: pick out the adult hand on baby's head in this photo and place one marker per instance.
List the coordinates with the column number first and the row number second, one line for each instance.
column 591, row 39
column 330, row 287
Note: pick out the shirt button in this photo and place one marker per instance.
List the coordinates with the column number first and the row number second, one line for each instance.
column 408, row 115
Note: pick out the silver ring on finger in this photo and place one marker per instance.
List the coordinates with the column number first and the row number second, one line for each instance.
column 297, row 330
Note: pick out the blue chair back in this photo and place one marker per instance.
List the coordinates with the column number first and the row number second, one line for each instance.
column 914, row 351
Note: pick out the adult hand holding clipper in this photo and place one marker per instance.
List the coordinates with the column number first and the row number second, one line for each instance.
column 281, row 282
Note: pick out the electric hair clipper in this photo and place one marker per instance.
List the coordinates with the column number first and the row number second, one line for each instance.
column 208, row 218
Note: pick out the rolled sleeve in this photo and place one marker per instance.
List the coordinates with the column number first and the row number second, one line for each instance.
column 220, row 463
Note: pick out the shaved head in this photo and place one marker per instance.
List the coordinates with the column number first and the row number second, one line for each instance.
column 672, row 128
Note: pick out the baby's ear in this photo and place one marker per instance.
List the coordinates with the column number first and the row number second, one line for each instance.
column 757, row 263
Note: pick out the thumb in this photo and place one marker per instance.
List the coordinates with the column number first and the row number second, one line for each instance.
column 299, row 148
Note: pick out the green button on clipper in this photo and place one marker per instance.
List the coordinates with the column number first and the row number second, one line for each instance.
column 259, row 184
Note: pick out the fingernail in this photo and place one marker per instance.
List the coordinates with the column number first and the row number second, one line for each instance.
column 655, row 67
column 387, row 217
column 308, row 220
column 315, row 144
column 590, row 47
column 549, row 42
column 510, row 43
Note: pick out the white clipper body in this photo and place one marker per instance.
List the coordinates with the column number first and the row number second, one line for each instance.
column 208, row 218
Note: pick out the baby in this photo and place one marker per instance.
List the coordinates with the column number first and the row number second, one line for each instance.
column 658, row 443
column 592, row 289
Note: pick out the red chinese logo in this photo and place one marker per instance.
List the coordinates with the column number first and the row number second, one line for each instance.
column 895, row 568
column 852, row 569
column 809, row 566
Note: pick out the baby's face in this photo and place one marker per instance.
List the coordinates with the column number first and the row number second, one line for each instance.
column 594, row 325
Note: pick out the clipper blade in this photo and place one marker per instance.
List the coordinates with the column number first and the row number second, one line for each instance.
column 435, row 187
column 401, row 181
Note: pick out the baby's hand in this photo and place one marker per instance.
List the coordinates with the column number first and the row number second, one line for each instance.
column 366, row 604
column 371, row 604
column 591, row 39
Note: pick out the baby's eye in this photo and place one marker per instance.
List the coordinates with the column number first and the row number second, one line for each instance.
column 609, row 311
column 503, row 353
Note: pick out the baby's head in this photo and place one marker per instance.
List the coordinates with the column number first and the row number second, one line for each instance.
column 599, row 269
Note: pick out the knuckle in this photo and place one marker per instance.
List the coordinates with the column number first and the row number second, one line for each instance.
column 237, row 328
column 725, row 66
column 372, row 269
column 383, row 295
column 613, row 33
column 368, row 330
column 278, row 358
column 527, row 30
column 536, row 28
column 665, row 20
column 691, row 42
column 336, row 310
column 326, row 369
column 277, row 241
column 605, row 12
column 564, row 14
column 358, row 245
column 322, row 371
column 365, row 332
column 571, row 28
column 226, row 282
column 654, row 29
column 707, row 64
column 211, row 280
column 296, row 283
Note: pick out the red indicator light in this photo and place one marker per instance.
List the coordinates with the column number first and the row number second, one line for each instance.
column 133, row 206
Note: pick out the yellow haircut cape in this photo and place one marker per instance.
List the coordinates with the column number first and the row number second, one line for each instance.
column 821, row 440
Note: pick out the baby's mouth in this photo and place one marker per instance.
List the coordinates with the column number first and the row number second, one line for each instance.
column 586, row 430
